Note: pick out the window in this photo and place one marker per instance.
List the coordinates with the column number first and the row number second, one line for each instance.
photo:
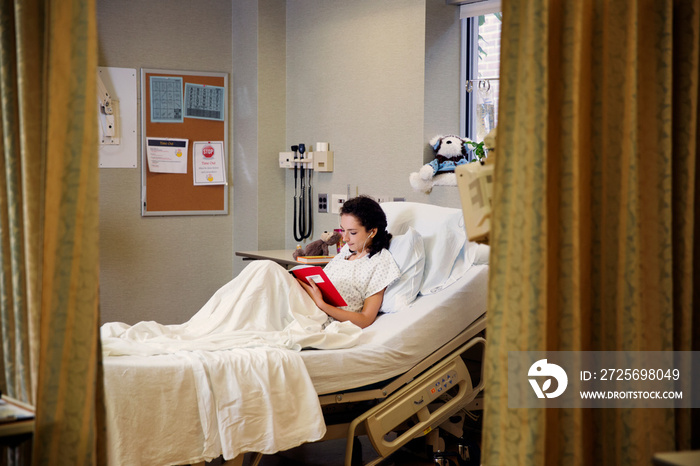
column 481, row 52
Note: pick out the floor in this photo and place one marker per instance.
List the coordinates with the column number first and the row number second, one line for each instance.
column 415, row 453
column 332, row 453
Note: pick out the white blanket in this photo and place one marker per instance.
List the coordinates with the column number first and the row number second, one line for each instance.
column 263, row 306
column 253, row 390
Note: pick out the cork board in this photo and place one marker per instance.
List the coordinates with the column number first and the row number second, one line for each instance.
column 175, row 193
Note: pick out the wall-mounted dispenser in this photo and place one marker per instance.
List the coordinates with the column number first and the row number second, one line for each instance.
column 323, row 161
column 323, row 158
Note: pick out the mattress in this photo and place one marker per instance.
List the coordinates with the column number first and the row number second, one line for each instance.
column 395, row 342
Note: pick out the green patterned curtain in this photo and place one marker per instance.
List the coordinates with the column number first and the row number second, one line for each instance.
column 595, row 211
column 48, row 219
column 21, row 197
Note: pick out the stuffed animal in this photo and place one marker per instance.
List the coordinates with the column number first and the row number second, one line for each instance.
column 450, row 151
column 320, row 246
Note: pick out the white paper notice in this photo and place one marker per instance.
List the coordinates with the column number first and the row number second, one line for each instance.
column 167, row 155
column 209, row 163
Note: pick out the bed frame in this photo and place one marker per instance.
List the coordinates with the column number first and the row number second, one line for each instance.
column 405, row 405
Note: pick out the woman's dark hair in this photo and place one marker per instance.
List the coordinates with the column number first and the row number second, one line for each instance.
column 369, row 213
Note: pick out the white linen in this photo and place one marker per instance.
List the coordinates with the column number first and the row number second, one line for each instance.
column 189, row 407
column 262, row 306
column 271, row 408
column 244, row 389
column 481, row 254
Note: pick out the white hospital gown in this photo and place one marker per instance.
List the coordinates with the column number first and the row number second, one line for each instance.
column 358, row 279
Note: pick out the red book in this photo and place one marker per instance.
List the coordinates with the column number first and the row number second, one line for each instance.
column 318, row 276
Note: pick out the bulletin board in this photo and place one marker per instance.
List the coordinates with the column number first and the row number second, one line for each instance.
column 176, row 193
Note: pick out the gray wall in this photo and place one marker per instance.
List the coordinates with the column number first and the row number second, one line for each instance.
column 160, row 268
column 259, row 80
column 375, row 79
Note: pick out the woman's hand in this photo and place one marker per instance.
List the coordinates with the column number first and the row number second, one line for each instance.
column 314, row 291
column 362, row 319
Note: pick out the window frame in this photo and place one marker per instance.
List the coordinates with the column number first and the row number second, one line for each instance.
column 469, row 14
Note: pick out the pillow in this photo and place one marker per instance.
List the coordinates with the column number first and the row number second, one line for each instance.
column 409, row 255
column 444, row 239
column 481, row 254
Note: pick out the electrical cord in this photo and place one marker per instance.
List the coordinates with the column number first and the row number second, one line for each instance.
column 297, row 236
column 311, row 204
column 303, row 223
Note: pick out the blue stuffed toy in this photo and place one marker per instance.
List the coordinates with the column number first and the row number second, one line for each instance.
column 450, row 152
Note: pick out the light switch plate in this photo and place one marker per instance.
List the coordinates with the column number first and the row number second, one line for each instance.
column 337, row 201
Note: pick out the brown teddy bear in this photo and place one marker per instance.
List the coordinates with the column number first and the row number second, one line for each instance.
column 320, row 246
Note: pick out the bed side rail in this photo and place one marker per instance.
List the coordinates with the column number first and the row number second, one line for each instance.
column 413, row 400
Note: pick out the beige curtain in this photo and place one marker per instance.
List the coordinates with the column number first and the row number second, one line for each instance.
column 48, row 217
column 21, row 198
column 595, row 212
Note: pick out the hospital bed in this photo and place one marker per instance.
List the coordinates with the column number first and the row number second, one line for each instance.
column 409, row 372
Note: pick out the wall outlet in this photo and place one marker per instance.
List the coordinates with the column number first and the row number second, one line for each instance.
column 337, row 202
column 323, row 203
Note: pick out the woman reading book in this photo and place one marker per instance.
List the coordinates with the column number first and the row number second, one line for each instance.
column 264, row 304
column 363, row 268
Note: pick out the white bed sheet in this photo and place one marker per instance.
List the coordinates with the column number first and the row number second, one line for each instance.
column 168, row 426
column 396, row 342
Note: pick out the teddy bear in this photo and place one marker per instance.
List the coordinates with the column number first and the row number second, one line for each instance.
column 320, row 246
column 450, row 152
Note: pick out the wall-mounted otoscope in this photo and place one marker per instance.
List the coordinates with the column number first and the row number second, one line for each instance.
column 303, row 224
column 304, row 165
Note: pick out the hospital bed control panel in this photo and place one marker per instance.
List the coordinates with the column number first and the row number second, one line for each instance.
column 442, row 384
column 413, row 400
